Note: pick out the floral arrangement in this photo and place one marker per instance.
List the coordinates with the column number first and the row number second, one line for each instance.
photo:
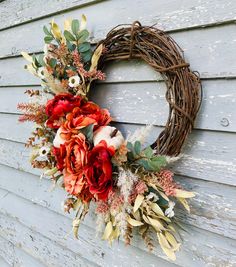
column 74, row 144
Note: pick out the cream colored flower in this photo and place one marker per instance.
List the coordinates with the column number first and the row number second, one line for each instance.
column 58, row 140
column 43, row 151
column 169, row 212
column 111, row 135
column 74, row 81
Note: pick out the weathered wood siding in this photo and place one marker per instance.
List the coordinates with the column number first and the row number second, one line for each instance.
column 34, row 231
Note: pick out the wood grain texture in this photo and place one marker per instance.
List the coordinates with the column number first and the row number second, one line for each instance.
column 15, row 12
column 131, row 102
column 15, row 256
column 51, row 234
column 213, row 209
column 210, row 51
column 57, row 227
column 170, row 14
column 206, row 155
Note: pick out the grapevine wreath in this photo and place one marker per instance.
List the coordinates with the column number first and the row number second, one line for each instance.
column 127, row 182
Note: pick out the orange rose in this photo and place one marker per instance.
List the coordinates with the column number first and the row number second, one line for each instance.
column 80, row 117
column 75, row 160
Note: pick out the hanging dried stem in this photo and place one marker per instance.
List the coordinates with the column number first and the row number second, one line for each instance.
column 160, row 51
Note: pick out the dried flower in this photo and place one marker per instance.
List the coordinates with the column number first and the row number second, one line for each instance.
column 74, row 81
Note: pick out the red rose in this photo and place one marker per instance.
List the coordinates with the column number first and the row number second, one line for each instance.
column 99, row 171
column 60, row 154
column 59, row 106
column 80, row 117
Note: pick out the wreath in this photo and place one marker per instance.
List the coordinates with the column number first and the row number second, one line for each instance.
column 73, row 142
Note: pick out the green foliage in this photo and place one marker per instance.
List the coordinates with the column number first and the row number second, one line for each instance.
column 69, row 36
column 75, row 26
column 52, row 62
column 40, row 60
column 82, row 36
column 48, row 39
column 145, row 158
column 84, row 47
column 88, row 132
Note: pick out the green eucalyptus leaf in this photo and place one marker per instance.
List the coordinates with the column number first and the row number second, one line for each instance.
column 88, row 132
column 48, row 39
column 75, row 26
column 144, row 164
column 70, row 46
column 156, row 163
column 84, row 47
column 40, row 60
column 137, row 147
column 86, row 56
column 69, row 36
column 46, row 31
column 52, row 62
column 82, row 36
column 148, row 152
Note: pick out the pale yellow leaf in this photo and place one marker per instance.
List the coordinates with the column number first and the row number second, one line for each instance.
column 83, row 23
column 27, row 56
column 31, row 69
column 183, row 194
column 67, row 24
column 157, row 209
column 108, row 230
column 138, row 201
column 55, row 30
column 134, row 222
column 168, row 251
column 156, row 224
column 184, row 202
column 146, row 219
column 50, row 172
column 75, row 226
column 171, row 239
column 137, row 215
column 96, row 55
column 164, row 196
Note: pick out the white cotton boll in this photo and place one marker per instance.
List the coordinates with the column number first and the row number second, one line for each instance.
column 74, row 81
column 152, row 196
column 43, row 151
column 58, row 140
column 106, row 133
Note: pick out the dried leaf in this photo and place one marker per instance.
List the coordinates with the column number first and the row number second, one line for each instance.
column 157, row 209
column 27, row 57
column 67, row 24
column 183, row 194
column 96, row 55
column 138, row 201
column 134, row 222
column 171, row 239
column 55, row 30
column 184, row 202
column 75, row 226
column 83, row 22
column 107, row 231
column 166, row 247
column 156, row 224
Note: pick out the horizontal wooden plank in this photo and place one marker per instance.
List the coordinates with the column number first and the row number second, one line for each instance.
column 14, row 256
column 202, row 48
column 131, row 102
column 213, row 209
column 206, row 155
column 3, row 263
column 13, row 12
column 56, row 229
column 169, row 15
column 200, row 248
